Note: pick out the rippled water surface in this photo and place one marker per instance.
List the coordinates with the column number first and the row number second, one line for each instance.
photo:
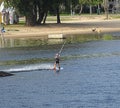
column 90, row 77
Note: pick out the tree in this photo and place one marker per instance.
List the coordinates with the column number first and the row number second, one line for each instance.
column 82, row 2
column 56, row 6
column 90, row 3
column 26, row 8
column 105, row 3
column 35, row 11
column 97, row 3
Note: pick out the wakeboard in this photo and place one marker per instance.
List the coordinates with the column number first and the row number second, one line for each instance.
column 57, row 69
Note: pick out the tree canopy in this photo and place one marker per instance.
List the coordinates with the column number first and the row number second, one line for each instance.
column 35, row 11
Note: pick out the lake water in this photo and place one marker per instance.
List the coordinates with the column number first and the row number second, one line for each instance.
column 90, row 77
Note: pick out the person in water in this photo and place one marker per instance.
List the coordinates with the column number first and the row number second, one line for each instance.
column 57, row 61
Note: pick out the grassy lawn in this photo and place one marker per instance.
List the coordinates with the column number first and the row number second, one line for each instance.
column 115, row 16
column 67, row 18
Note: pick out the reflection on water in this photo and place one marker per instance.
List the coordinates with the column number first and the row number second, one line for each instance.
column 30, row 49
column 2, row 40
column 13, row 56
column 21, row 42
column 83, row 38
column 28, row 42
column 34, row 50
column 55, row 41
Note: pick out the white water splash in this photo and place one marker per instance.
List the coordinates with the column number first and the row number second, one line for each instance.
column 31, row 68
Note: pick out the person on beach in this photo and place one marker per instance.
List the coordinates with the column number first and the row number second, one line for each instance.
column 2, row 30
column 57, row 61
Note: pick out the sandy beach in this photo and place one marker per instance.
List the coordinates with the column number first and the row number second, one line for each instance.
column 77, row 25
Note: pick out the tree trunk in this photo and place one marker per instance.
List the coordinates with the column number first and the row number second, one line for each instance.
column 106, row 8
column 45, row 16
column 81, row 8
column 30, row 21
column 35, row 13
column 41, row 15
column 90, row 9
column 58, row 15
column 98, row 9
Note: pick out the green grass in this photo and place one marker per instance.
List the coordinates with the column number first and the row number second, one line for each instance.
column 115, row 16
column 107, row 37
column 67, row 17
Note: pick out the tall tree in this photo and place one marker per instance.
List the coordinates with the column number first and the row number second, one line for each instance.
column 26, row 8
column 82, row 2
column 35, row 11
column 90, row 3
column 56, row 6
column 105, row 3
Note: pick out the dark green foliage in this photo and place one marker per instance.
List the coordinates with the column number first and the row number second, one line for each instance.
column 36, row 11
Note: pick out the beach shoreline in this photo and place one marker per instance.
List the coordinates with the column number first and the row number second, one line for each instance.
column 78, row 26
